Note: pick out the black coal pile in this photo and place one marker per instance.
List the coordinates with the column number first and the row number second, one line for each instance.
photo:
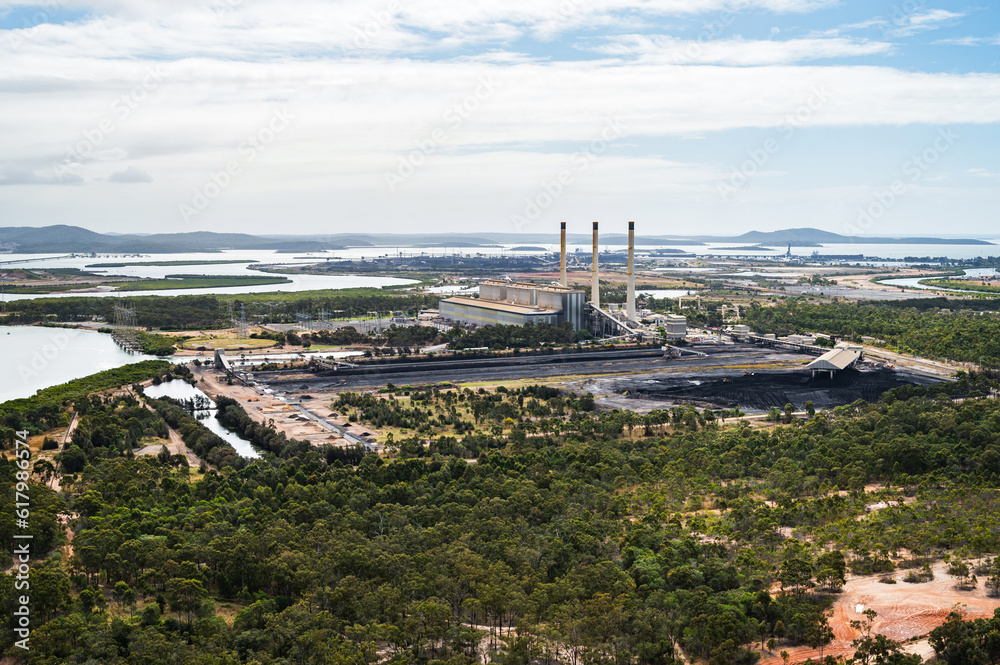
column 760, row 390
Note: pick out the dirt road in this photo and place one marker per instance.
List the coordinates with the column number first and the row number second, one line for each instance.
column 176, row 445
column 925, row 365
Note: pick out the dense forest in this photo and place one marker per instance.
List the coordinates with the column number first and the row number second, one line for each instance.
column 515, row 337
column 970, row 334
column 412, row 338
column 189, row 312
column 569, row 536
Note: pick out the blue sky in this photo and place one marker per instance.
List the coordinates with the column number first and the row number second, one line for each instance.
column 694, row 116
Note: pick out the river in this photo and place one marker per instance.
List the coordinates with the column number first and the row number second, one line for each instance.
column 914, row 282
column 183, row 390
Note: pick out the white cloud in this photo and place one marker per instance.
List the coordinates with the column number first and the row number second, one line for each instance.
column 907, row 20
column 259, row 29
column 739, row 52
column 360, row 104
column 971, row 41
column 982, row 173
column 933, row 17
column 14, row 174
column 130, row 175
column 923, row 22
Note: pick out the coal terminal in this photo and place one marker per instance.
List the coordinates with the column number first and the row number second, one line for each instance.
column 751, row 378
column 759, row 390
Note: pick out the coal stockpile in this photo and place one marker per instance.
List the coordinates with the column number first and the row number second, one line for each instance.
column 761, row 390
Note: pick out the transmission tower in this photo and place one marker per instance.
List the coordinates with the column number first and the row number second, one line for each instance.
column 126, row 331
column 242, row 326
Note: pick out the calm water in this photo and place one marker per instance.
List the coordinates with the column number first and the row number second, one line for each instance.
column 914, row 282
column 892, row 252
column 184, row 390
column 35, row 358
column 247, row 258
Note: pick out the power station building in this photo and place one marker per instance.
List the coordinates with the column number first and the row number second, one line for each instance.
column 515, row 303
column 675, row 326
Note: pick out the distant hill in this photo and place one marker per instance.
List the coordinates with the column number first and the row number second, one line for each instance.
column 65, row 238
column 809, row 235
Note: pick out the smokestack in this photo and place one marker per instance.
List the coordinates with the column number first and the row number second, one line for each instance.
column 630, row 293
column 595, row 283
column 562, row 255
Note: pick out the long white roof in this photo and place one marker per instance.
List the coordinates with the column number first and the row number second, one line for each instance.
column 840, row 357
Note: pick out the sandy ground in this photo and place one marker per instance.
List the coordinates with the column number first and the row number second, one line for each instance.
column 263, row 407
column 905, row 611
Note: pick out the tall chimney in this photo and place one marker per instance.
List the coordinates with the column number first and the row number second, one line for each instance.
column 562, row 255
column 630, row 293
column 595, row 283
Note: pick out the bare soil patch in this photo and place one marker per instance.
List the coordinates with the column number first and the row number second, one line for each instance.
column 905, row 611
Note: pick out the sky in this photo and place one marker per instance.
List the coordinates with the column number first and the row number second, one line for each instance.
column 866, row 118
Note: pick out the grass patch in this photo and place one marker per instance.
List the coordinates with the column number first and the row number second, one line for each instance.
column 157, row 345
column 961, row 284
column 41, row 289
column 226, row 343
column 171, row 282
column 201, row 282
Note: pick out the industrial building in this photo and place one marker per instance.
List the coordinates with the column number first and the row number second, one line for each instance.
column 675, row 326
column 518, row 304
column 842, row 356
column 514, row 303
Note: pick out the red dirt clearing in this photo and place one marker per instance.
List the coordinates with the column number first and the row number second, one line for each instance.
column 905, row 611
